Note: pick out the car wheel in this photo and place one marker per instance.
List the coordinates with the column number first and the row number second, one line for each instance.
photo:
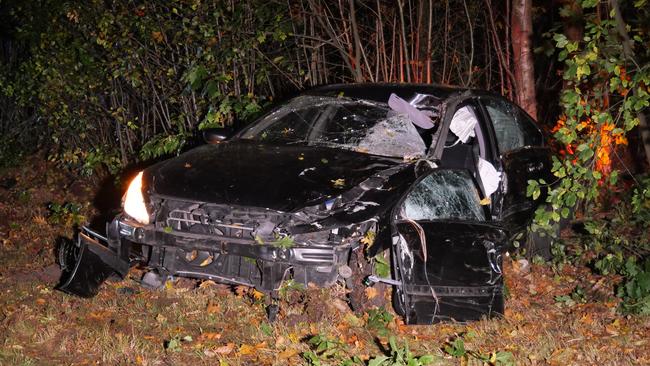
column 398, row 306
column 539, row 243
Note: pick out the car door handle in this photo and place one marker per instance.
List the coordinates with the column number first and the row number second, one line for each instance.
column 534, row 167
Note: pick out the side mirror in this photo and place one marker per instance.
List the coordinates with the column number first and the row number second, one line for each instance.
column 216, row 135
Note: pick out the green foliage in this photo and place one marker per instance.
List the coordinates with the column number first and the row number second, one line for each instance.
column 604, row 91
column 284, row 242
column 577, row 296
column 328, row 351
column 331, row 351
column 378, row 319
column 400, row 356
column 640, row 201
column 103, row 85
column 163, row 144
column 290, row 286
column 382, row 268
column 68, row 214
column 456, row 348
column 616, row 245
column 175, row 344
column 635, row 291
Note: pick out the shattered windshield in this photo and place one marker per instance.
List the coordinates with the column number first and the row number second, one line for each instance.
column 357, row 125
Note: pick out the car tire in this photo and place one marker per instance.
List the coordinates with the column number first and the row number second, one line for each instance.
column 539, row 243
column 397, row 305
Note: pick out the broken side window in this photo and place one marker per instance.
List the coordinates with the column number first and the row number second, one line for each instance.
column 513, row 128
column 444, row 195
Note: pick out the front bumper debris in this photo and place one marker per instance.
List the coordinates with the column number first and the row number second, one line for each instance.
column 88, row 263
column 239, row 261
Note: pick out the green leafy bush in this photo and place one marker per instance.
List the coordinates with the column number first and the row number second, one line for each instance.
column 635, row 290
column 102, row 85
column 68, row 214
column 400, row 356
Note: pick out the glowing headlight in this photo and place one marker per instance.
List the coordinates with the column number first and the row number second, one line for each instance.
column 134, row 205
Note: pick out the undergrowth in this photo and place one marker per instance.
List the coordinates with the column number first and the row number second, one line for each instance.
column 617, row 243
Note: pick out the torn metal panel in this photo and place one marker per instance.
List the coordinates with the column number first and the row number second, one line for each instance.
column 455, row 275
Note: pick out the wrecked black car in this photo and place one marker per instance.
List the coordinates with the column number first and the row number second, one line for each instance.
column 434, row 176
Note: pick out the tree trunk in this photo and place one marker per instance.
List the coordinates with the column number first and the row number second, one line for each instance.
column 524, row 69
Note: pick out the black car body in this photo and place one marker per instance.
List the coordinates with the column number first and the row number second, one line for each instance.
column 297, row 194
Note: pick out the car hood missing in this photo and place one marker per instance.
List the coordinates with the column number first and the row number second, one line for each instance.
column 245, row 173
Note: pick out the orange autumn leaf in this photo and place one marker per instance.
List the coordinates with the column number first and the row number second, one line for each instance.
column 371, row 292
column 246, row 349
column 157, row 36
column 257, row 295
column 241, row 290
column 286, row 354
column 213, row 308
column 210, row 336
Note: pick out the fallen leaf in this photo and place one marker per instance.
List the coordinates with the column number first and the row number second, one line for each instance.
column 371, row 292
column 338, row 183
column 241, row 290
column 161, row 318
column 157, row 36
column 257, row 295
column 286, row 354
column 210, row 336
column 294, row 338
column 280, row 341
column 209, row 353
column 213, row 308
column 340, row 305
column 224, row 350
column 246, row 349
column 207, row 283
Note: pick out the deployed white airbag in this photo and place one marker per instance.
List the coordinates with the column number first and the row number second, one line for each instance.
column 490, row 177
column 463, row 124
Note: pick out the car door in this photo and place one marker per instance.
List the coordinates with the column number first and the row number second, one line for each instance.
column 523, row 157
column 446, row 252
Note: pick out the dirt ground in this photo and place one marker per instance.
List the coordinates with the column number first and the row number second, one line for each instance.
column 191, row 322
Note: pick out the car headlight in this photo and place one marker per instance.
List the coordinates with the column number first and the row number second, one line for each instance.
column 134, row 205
